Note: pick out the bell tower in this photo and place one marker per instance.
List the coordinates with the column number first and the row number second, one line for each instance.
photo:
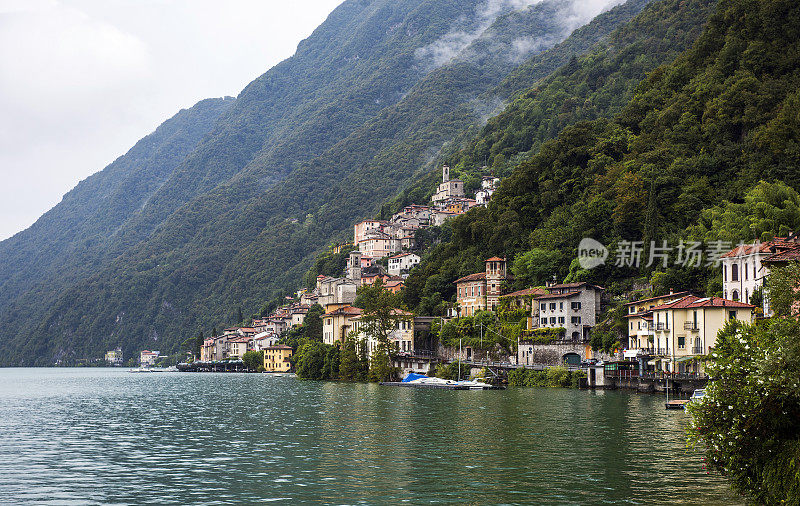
column 354, row 267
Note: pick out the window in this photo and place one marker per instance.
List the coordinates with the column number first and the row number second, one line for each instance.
column 544, row 307
column 560, row 306
column 746, row 295
column 552, row 306
column 745, row 271
column 576, row 306
column 754, row 270
column 724, row 273
column 631, row 325
column 552, row 320
column 561, row 320
column 576, row 320
column 732, row 315
column 681, row 342
column 735, row 295
column 734, row 272
column 543, row 321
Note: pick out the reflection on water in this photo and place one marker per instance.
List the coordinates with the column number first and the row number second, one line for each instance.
column 106, row 436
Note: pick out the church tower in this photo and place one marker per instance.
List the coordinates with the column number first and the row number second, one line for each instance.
column 354, row 267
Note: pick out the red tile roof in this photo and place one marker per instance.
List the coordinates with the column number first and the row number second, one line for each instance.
column 692, row 301
column 527, row 291
column 574, row 285
column 558, row 295
column 676, row 294
column 777, row 244
column 472, row 277
column 495, row 259
column 347, row 310
column 784, row 256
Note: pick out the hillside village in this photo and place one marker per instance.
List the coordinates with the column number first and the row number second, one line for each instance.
column 556, row 323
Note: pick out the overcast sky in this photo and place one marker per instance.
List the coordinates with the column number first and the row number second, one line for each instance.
column 82, row 80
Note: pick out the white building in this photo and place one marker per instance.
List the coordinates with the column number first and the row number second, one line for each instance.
column 147, row 358
column 488, row 187
column 400, row 265
column 448, row 188
column 743, row 270
column 571, row 306
column 264, row 340
column 114, row 357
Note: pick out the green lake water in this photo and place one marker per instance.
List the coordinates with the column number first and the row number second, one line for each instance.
column 107, row 436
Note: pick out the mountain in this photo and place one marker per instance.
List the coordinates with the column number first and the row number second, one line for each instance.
column 692, row 142
column 317, row 142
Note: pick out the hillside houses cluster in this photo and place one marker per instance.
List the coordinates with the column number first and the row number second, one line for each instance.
column 667, row 333
column 394, row 238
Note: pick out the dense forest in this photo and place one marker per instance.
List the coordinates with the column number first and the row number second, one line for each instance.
column 368, row 103
column 705, row 149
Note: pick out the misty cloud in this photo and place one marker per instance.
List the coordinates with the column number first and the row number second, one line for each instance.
column 451, row 44
column 573, row 14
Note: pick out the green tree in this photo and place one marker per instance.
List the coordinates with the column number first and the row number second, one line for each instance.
column 768, row 210
column 330, row 367
column 253, row 360
column 311, row 360
column 782, row 289
column 749, row 421
column 348, row 361
column 379, row 319
column 535, row 267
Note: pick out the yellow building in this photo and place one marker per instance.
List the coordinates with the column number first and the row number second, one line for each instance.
column 401, row 338
column 276, row 358
column 687, row 329
column 337, row 324
column 640, row 317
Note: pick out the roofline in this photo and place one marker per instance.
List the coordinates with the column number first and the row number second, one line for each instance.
column 675, row 294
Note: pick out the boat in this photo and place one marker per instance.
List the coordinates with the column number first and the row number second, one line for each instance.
column 141, row 369
column 698, row 395
column 420, row 381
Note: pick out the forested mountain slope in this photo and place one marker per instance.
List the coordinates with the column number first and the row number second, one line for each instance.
column 72, row 239
column 593, row 86
column 371, row 96
column 699, row 131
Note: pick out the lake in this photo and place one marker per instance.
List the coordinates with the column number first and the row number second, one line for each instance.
column 107, row 436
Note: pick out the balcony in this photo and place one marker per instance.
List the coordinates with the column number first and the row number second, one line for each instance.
column 690, row 325
column 697, row 350
column 659, row 351
column 662, row 326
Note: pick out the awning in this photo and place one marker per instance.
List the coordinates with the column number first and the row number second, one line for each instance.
column 630, row 353
column 654, row 361
column 687, row 357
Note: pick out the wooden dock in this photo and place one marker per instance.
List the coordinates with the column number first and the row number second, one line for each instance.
column 677, row 404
